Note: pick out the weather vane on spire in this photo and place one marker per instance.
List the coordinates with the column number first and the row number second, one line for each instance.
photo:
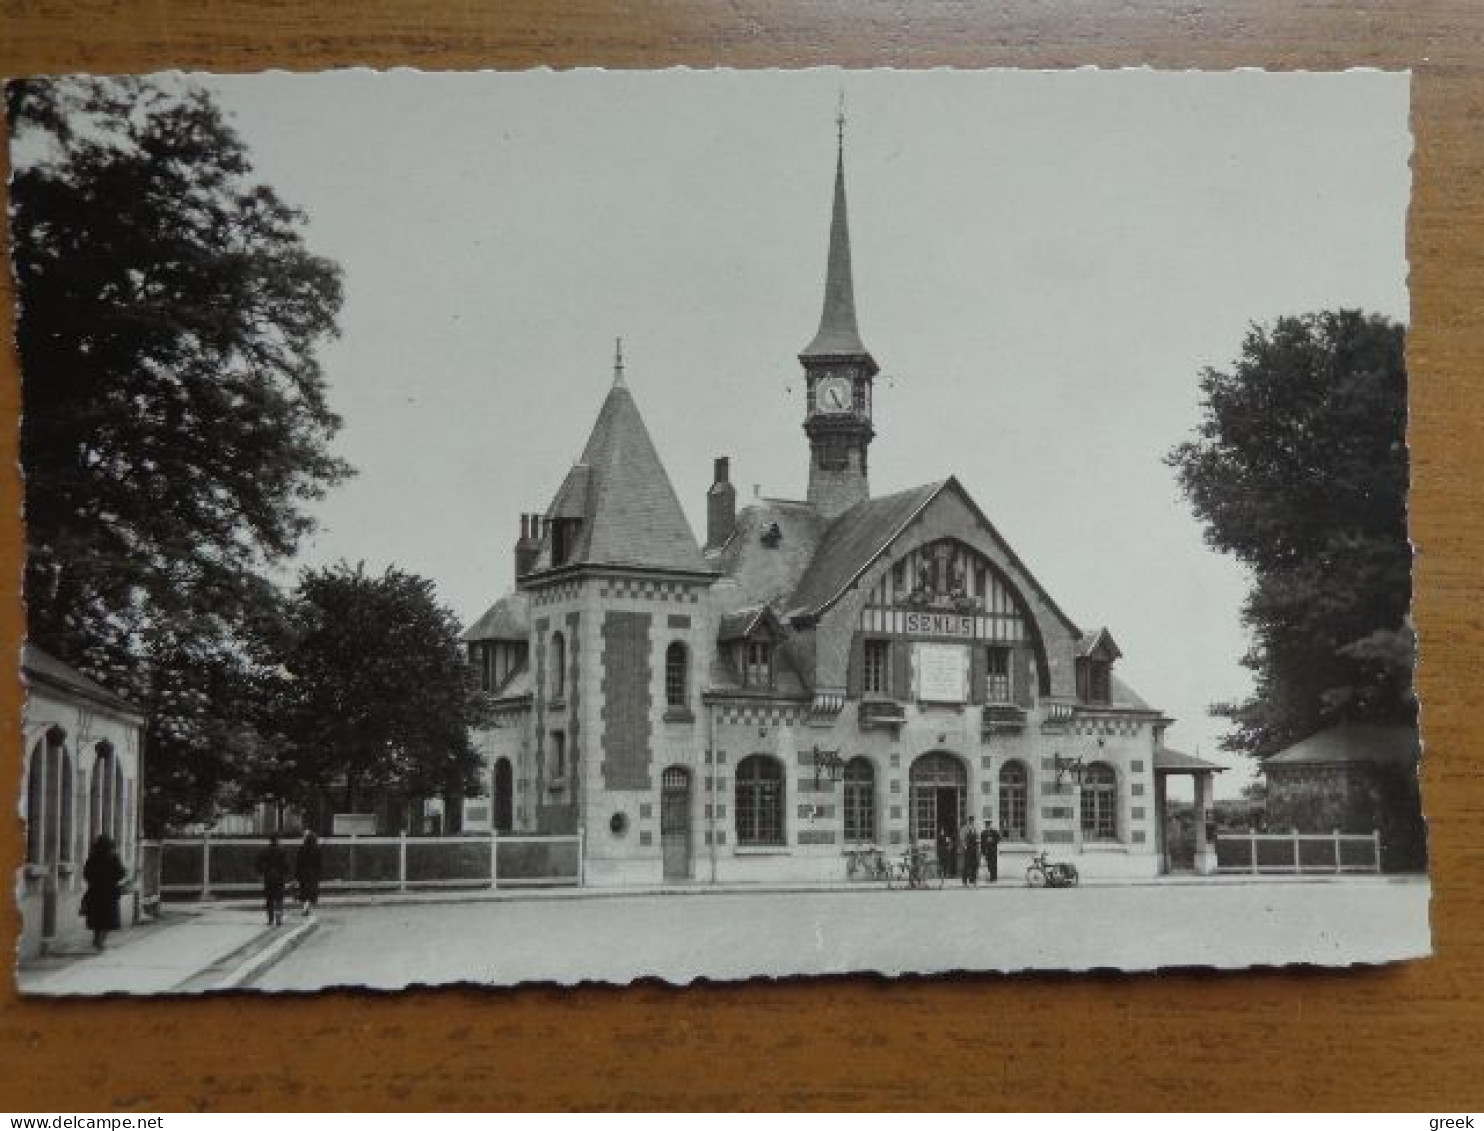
column 618, row 361
column 840, row 120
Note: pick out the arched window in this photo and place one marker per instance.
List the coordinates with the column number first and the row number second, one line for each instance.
column 676, row 675
column 759, row 808
column 558, row 666
column 36, row 805
column 860, row 800
column 1013, row 791
column 1100, row 802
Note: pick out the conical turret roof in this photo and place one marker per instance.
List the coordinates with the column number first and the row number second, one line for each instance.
column 630, row 515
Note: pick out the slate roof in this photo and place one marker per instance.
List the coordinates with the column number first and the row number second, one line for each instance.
column 768, row 573
column 1167, row 759
column 788, row 681
column 41, row 667
column 509, row 618
column 1351, row 743
column 852, row 541
column 619, row 489
column 838, row 334
column 739, row 624
column 1091, row 640
column 571, row 497
column 1126, row 696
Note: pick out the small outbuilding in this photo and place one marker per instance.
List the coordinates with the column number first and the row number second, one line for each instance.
column 83, row 767
column 1353, row 778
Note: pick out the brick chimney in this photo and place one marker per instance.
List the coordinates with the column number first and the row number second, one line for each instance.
column 528, row 546
column 721, row 505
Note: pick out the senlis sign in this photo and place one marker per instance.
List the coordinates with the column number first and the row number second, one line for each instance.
column 939, row 624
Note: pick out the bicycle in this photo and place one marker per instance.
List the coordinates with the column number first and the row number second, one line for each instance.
column 1043, row 873
column 867, row 864
column 914, row 870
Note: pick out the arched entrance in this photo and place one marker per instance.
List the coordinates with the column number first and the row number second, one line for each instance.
column 504, row 815
column 939, row 795
column 675, row 822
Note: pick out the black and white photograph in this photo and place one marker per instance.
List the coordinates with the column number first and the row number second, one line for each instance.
column 583, row 526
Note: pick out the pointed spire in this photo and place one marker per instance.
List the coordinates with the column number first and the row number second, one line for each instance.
column 838, row 334
column 618, row 361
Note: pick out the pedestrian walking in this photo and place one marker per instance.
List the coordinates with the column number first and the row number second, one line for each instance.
column 989, row 848
column 970, row 839
column 307, row 871
column 273, row 866
column 104, row 873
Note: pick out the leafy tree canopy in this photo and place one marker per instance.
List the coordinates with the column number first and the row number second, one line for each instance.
column 373, row 692
column 175, row 420
column 1299, row 469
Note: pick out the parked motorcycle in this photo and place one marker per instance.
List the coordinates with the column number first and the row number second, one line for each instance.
column 1044, row 873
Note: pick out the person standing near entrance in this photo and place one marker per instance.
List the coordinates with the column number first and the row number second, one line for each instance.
column 945, row 850
column 273, row 866
column 989, row 848
column 307, row 871
column 970, row 842
column 104, row 874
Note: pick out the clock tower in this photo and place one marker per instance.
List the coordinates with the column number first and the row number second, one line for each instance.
column 838, row 371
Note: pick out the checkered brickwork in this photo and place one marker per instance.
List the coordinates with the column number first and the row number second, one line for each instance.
column 759, row 714
column 635, row 588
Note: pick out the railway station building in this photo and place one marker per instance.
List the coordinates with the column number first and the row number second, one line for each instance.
column 813, row 677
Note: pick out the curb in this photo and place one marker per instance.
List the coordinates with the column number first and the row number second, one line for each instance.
column 260, row 961
column 565, row 895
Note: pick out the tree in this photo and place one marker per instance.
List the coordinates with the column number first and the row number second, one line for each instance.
column 1299, row 469
column 175, row 421
column 373, row 692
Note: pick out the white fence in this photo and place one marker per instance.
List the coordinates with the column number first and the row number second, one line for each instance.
column 208, row 866
column 1298, row 853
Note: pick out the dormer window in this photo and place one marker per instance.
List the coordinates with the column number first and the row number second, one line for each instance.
column 1096, row 653
column 749, row 638
column 1094, row 680
column 757, row 663
column 563, row 539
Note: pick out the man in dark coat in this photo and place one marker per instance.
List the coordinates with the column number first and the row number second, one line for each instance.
column 307, row 871
column 273, row 866
column 989, row 848
column 104, row 873
column 970, row 838
column 945, row 850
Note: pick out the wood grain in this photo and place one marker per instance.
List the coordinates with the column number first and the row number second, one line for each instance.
column 1401, row 1037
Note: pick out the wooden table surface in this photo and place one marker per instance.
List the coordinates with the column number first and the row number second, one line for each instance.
column 1405, row 1037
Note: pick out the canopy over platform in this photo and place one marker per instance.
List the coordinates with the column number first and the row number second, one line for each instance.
column 1167, row 761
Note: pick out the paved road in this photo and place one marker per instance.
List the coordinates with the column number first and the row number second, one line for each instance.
column 681, row 937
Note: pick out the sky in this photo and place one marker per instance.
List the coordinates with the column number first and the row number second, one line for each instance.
column 1044, row 264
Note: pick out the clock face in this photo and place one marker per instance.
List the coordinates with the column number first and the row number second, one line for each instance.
column 833, row 394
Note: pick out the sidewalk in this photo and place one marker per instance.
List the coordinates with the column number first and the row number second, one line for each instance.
column 190, row 949
column 446, row 895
